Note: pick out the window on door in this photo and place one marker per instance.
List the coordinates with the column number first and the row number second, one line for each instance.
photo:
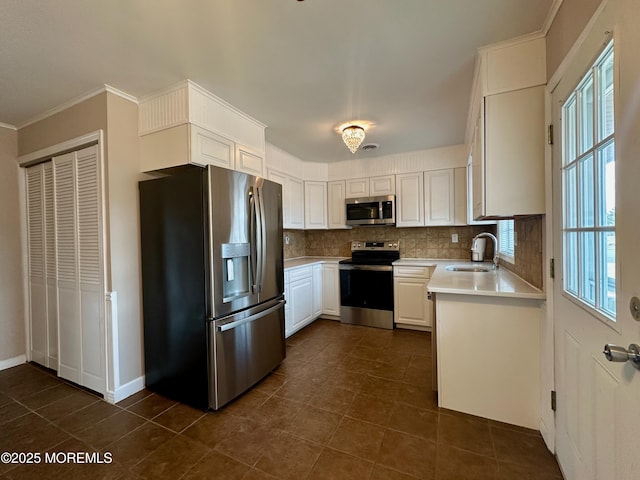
column 506, row 240
column 588, row 190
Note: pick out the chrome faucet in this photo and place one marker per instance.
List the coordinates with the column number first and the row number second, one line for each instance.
column 495, row 245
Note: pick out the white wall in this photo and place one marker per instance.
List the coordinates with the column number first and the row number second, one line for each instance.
column 284, row 162
column 408, row 162
column 12, row 315
column 123, row 173
column 419, row 161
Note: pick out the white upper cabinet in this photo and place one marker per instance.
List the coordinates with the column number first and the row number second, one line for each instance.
column 336, row 209
column 357, row 188
column 315, row 205
column 514, row 153
column 292, row 199
column 384, row 185
column 432, row 198
column 507, row 130
column 513, row 66
column 186, row 124
column 410, row 200
column 249, row 161
column 207, row 148
column 296, row 203
column 460, row 196
column 439, row 197
column 371, row 186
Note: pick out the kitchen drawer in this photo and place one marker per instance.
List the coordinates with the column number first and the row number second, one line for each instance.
column 300, row 273
column 410, row 271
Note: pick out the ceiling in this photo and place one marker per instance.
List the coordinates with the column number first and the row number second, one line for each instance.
column 300, row 67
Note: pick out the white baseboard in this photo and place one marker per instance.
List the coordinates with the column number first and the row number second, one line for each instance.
column 12, row 362
column 126, row 390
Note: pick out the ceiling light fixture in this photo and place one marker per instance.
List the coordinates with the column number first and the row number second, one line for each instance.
column 353, row 136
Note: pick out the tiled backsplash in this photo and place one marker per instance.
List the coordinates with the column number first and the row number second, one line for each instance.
column 426, row 242
column 528, row 250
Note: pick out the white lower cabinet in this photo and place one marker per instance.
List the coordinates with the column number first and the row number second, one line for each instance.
column 310, row 291
column 330, row 289
column 411, row 304
column 300, row 291
column 317, row 290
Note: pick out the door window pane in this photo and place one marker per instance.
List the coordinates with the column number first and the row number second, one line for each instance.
column 571, row 262
column 588, row 183
column 607, row 185
column 607, row 273
column 586, row 115
column 571, row 198
column 588, row 267
column 605, row 74
column 570, row 130
column 587, row 196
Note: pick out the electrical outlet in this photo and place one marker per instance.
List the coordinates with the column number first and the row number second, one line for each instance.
column 287, row 239
column 454, row 238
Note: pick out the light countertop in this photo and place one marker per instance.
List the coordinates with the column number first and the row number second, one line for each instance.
column 417, row 262
column 302, row 261
column 495, row 283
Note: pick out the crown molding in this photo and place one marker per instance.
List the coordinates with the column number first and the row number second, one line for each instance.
column 7, row 126
column 551, row 15
column 120, row 93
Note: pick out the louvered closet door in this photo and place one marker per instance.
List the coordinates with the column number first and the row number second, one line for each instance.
column 78, row 225
column 38, row 322
column 50, row 265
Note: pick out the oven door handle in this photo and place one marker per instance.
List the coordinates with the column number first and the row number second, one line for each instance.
column 374, row 268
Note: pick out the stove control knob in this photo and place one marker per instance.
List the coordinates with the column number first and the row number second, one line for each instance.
column 395, row 245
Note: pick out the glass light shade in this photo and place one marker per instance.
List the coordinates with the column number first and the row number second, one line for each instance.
column 353, row 136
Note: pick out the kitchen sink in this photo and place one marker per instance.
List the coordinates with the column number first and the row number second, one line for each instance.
column 465, row 268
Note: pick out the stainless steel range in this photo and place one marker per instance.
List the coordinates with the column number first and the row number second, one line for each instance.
column 366, row 284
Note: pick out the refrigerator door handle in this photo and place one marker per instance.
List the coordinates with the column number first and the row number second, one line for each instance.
column 251, row 318
column 253, row 207
column 262, row 246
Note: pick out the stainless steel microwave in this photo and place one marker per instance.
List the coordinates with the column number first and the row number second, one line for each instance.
column 371, row 210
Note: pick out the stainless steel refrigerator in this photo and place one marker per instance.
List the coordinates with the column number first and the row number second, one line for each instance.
column 212, row 283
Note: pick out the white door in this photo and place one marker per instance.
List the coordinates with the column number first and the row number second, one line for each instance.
column 80, row 264
column 596, row 418
column 38, row 322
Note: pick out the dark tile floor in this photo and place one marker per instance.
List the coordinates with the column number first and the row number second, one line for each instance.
column 347, row 403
